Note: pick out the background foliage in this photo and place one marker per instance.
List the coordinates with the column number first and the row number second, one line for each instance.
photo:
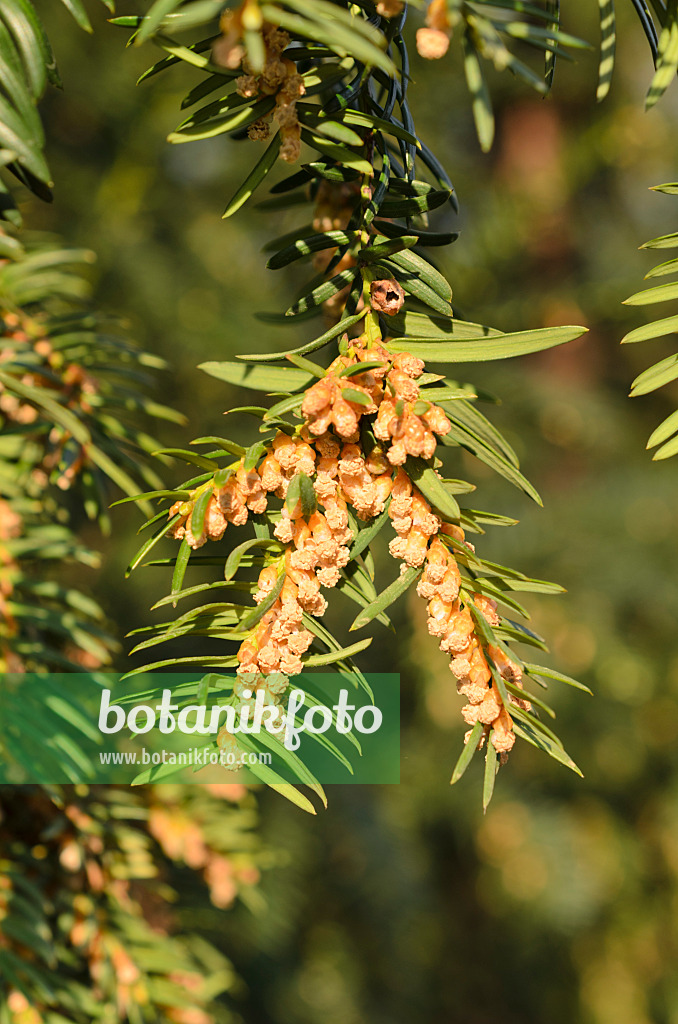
column 91, row 925
column 396, row 903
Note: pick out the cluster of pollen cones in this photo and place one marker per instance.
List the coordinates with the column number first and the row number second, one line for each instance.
column 329, row 451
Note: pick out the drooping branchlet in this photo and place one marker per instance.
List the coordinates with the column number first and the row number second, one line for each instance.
column 330, row 449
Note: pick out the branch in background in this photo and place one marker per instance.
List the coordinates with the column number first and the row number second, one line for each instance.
column 666, row 370
column 75, row 408
column 28, row 67
column 88, row 927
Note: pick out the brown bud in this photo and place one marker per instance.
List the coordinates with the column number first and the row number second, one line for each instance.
column 259, row 130
column 389, row 8
column 386, row 296
column 432, row 43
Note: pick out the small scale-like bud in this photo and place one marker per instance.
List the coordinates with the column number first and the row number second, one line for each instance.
column 345, row 416
column 437, row 421
column 390, row 8
column 215, row 523
column 259, row 130
column 247, row 653
column 387, row 296
column 404, row 385
column 318, row 397
column 284, row 529
column 450, row 583
column 305, row 459
column 409, row 364
column 503, row 736
column 285, row 448
column 246, row 86
column 290, row 150
column 488, row 607
column 432, row 44
column 183, row 508
column 328, row 446
column 376, row 462
column 271, row 474
column 228, row 744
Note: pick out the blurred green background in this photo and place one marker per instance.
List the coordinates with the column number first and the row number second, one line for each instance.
column 404, row 903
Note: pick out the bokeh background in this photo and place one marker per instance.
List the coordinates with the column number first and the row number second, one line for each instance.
column 405, row 903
